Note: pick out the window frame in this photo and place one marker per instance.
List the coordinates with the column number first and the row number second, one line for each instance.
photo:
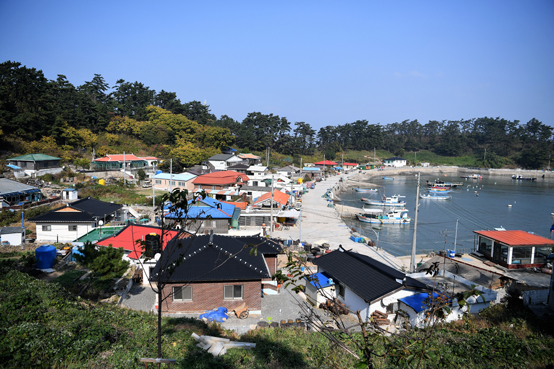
column 47, row 228
column 233, row 286
column 72, row 228
column 182, row 288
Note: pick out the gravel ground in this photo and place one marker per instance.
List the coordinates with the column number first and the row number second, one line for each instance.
column 140, row 297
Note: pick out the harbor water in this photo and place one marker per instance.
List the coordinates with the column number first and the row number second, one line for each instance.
column 485, row 204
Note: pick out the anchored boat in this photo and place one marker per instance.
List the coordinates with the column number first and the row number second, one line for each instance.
column 376, row 216
column 432, row 197
column 366, row 190
column 387, row 201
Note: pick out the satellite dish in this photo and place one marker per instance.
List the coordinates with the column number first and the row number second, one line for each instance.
column 101, row 222
column 157, row 256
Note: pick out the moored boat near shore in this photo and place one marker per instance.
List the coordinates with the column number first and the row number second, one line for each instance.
column 435, row 197
column 395, row 216
column 366, row 190
column 387, row 201
column 521, row 178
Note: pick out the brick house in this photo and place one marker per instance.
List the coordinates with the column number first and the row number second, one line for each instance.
column 220, row 185
column 218, row 271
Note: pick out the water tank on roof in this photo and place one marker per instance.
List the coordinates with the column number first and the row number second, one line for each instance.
column 158, row 172
column 152, row 245
column 45, row 255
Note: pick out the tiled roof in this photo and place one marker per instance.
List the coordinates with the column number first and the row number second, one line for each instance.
column 227, row 259
column 220, row 178
column 221, row 157
column 395, row 158
column 34, row 157
column 278, row 196
column 248, row 156
column 365, row 276
column 176, row 177
column 350, row 164
column 148, row 158
column 84, row 210
column 240, row 205
column 119, row 157
column 206, row 208
column 516, row 238
column 127, row 237
column 11, row 230
column 326, row 162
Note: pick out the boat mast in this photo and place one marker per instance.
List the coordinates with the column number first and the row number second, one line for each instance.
column 412, row 259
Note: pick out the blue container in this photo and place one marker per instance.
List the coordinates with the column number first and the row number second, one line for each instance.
column 451, row 254
column 158, row 171
column 77, row 250
column 45, row 255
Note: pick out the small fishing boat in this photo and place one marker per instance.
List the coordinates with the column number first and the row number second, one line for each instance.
column 439, row 190
column 389, row 178
column 439, row 183
column 472, row 176
column 522, row 178
column 396, row 216
column 429, row 196
column 366, row 190
column 387, row 201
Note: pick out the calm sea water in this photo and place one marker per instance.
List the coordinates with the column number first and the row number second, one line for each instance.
column 532, row 205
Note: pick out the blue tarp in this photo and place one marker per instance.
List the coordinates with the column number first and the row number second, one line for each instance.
column 206, row 208
column 416, row 301
column 13, row 166
column 218, row 315
column 323, row 280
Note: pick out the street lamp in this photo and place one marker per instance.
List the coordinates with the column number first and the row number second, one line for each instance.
column 376, row 234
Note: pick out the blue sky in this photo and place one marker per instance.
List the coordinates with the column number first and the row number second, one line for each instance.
column 321, row 62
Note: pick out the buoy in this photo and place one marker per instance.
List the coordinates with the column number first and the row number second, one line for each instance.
column 509, row 206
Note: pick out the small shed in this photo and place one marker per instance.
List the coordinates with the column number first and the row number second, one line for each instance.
column 69, row 194
column 13, row 236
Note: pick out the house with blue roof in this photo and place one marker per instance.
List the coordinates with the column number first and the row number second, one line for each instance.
column 171, row 181
column 207, row 214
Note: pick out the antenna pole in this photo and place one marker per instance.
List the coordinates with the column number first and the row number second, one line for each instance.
column 456, row 235
column 412, row 259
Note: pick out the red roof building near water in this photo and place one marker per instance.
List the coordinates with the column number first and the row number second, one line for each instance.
column 127, row 237
column 325, row 162
column 223, row 178
column 350, row 164
column 516, row 238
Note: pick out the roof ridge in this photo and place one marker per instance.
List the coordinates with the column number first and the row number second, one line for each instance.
column 386, row 270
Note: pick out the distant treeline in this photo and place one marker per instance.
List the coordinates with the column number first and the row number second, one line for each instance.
column 32, row 107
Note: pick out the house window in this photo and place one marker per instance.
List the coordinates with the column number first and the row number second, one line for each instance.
column 182, row 293
column 232, row 292
column 485, row 247
column 541, row 253
column 172, row 183
column 199, row 187
column 521, row 255
column 341, row 290
column 71, row 228
column 214, row 187
column 181, row 184
column 46, row 228
column 158, row 181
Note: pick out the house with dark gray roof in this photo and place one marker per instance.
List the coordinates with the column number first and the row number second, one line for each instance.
column 360, row 282
column 12, row 236
column 76, row 219
column 223, row 161
column 217, row 271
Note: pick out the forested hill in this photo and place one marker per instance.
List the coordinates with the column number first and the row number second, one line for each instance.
column 41, row 114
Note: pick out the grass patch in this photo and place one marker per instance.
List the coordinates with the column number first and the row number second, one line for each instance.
column 69, row 278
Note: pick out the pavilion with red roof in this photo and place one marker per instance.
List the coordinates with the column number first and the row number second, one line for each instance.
column 514, row 249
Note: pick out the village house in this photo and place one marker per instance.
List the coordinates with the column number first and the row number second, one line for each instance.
column 257, row 172
column 288, row 171
column 35, row 165
column 223, row 161
column 117, row 161
column 14, row 193
column 220, row 185
column 514, row 249
column 325, row 164
column 208, row 214
column 12, row 236
column 167, row 181
column 218, row 271
column 250, row 159
column 76, row 219
column 360, row 282
column 395, row 162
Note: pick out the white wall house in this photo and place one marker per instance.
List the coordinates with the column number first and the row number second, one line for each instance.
column 224, row 161
column 396, row 162
column 13, row 236
column 74, row 220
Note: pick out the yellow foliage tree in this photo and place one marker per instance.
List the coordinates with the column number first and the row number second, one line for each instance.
column 188, row 154
column 184, row 128
column 88, row 139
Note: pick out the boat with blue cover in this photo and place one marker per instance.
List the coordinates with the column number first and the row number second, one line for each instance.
column 387, row 201
column 376, row 216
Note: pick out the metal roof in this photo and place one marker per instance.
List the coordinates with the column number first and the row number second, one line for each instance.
column 176, row 177
column 35, row 157
column 9, row 187
column 516, row 238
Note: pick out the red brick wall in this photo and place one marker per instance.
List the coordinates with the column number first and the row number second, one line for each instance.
column 271, row 261
column 208, row 296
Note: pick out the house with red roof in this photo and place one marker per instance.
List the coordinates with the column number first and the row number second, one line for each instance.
column 116, row 161
column 514, row 249
column 280, row 200
column 325, row 163
column 220, row 185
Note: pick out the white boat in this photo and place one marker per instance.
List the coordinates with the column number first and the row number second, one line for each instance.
column 434, row 197
column 395, row 216
column 473, row 176
column 366, row 190
column 387, row 201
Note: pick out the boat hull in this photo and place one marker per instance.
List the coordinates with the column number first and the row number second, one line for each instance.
column 382, row 220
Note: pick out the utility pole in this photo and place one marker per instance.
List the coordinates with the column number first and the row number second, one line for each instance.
column 272, row 187
column 124, row 180
column 455, row 235
column 154, row 191
column 485, row 156
column 170, row 174
column 412, row 259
